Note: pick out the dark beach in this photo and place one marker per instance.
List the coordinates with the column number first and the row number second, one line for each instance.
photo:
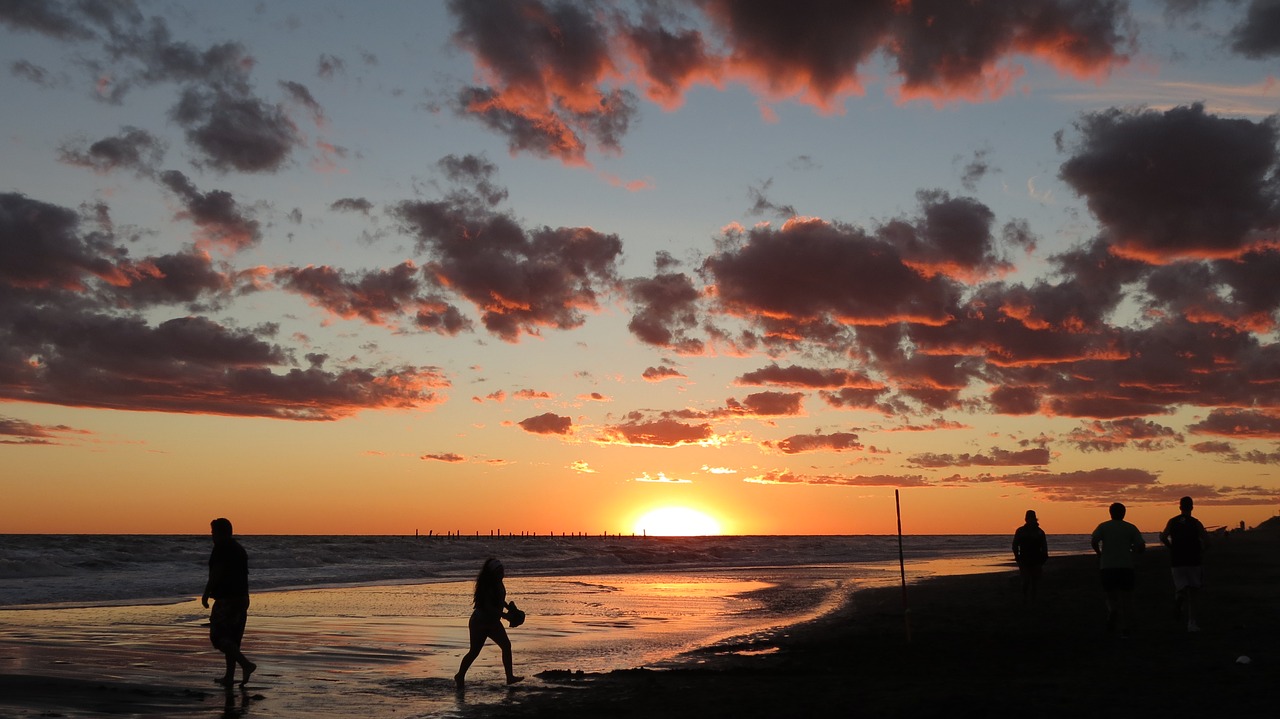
column 976, row 651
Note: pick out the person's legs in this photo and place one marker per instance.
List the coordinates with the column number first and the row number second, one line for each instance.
column 478, row 633
column 499, row 636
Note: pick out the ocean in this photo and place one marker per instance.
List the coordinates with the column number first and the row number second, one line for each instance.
column 86, row 570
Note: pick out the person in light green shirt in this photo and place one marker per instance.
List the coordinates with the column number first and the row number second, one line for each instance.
column 1117, row 544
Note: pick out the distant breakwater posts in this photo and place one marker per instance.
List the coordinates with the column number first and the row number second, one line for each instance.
column 497, row 534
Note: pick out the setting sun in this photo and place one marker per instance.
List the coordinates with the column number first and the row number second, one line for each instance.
column 676, row 522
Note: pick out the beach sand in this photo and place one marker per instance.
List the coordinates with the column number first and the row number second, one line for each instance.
column 974, row 651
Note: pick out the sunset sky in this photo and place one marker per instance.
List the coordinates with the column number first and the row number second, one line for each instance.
column 337, row 267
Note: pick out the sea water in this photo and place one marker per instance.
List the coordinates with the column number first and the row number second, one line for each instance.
column 69, row 570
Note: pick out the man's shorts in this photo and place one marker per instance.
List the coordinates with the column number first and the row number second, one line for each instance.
column 226, row 623
column 1188, row 577
column 1117, row 580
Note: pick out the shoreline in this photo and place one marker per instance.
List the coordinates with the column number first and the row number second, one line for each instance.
column 974, row 651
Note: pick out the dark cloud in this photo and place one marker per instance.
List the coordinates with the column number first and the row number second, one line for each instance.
column 546, row 64
column 225, row 121
column 665, row 312
column 809, row 270
column 1131, row 486
column 840, row 480
column 301, row 95
column 1245, row 424
column 70, row 334
column 1121, row 433
column 944, row 49
column 765, row 404
column 975, row 169
column 447, row 457
column 520, row 280
column 996, row 457
column 1179, row 183
column 661, row 372
column 234, row 131
column 476, row 174
column 371, row 297
column 807, row 377
column 818, row 442
column 57, row 20
column 330, row 65
column 656, row 432
column 1258, row 35
column 219, row 218
column 33, row 73
column 133, row 149
column 19, row 432
column 41, row 246
column 762, row 205
column 352, row 204
column 547, row 423
column 554, row 68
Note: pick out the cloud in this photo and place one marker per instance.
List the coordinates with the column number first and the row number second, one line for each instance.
column 1258, row 35
column 70, row 334
column 532, row 394
column 1131, row 486
column 996, row 457
column 234, row 131
column 1245, row 424
column 807, row 378
column 657, row 433
column 19, row 432
column 35, row 74
column 301, row 95
column 547, row 423
column 839, row 480
column 665, row 311
column 220, row 219
column 661, row 372
column 379, row 297
column 765, row 404
column 546, row 65
column 520, row 280
column 449, row 457
column 818, row 442
column 225, row 122
column 559, row 75
column 1119, row 434
column 351, row 204
column 1160, row 202
column 133, row 149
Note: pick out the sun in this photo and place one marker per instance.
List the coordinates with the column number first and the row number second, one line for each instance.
column 676, row 522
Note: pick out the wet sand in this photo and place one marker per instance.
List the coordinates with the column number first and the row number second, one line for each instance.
column 976, row 651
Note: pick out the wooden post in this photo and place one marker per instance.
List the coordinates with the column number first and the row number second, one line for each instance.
column 902, row 568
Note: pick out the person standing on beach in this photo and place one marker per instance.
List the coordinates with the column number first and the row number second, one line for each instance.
column 1117, row 544
column 1187, row 540
column 1030, row 551
column 228, row 586
column 490, row 607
